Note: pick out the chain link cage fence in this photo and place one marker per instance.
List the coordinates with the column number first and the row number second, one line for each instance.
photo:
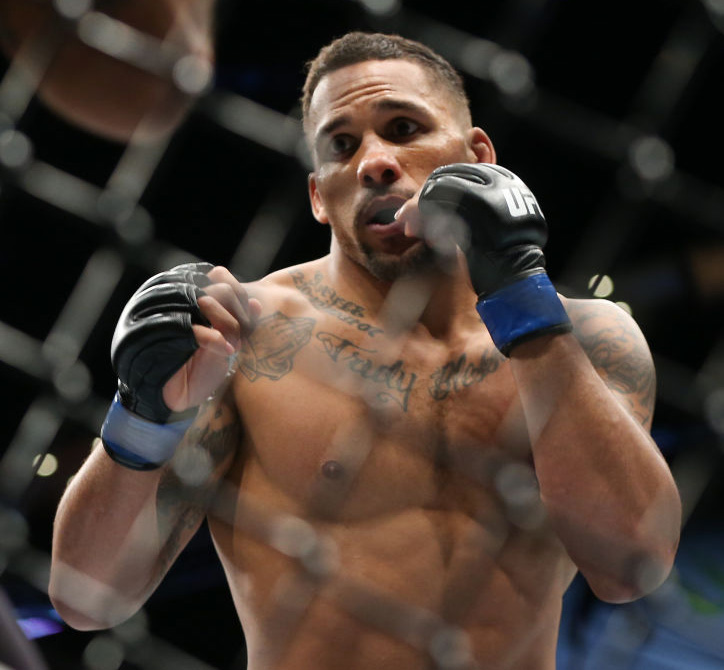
column 611, row 112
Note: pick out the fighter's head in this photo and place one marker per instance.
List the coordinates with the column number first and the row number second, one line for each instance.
column 358, row 47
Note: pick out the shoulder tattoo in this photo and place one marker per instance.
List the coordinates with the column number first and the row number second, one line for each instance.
column 617, row 350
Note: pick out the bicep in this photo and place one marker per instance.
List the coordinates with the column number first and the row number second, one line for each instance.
column 618, row 351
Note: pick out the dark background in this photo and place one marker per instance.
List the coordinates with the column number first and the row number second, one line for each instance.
column 605, row 76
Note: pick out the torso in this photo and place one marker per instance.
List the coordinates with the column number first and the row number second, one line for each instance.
column 409, row 461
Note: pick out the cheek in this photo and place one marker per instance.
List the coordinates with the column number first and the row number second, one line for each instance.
column 335, row 198
column 330, row 181
column 457, row 150
column 334, row 185
column 421, row 161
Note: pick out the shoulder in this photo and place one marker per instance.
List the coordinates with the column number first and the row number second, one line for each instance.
column 618, row 350
column 285, row 324
column 585, row 311
column 601, row 322
column 286, row 287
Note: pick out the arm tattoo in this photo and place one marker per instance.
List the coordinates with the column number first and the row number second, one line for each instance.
column 616, row 351
column 326, row 299
column 269, row 351
column 182, row 502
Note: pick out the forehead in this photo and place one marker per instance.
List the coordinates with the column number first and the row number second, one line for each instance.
column 354, row 87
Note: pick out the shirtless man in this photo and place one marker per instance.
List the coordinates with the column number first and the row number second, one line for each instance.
column 393, row 478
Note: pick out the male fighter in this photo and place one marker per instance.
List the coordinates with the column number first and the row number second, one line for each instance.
column 405, row 449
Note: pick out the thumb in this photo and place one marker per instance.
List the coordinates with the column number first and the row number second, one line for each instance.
column 409, row 215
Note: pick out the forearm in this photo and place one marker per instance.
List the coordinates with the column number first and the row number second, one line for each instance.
column 117, row 530
column 106, row 543
column 607, row 489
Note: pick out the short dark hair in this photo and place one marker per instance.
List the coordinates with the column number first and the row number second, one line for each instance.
column 358, row 47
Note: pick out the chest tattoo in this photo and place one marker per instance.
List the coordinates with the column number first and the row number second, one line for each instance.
column 462, row 373
column 269, row 351
column 394, row 381
column 326, row 299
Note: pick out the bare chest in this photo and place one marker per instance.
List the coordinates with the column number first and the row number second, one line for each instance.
column 341, row 419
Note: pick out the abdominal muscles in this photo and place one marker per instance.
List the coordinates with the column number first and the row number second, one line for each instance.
column 401, row 591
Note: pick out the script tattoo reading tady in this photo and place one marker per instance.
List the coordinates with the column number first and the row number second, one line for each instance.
column 395, row 382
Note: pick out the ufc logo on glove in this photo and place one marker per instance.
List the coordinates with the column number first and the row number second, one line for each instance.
column 520, row 204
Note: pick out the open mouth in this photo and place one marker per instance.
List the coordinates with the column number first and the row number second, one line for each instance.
column 378, row 215
column 382, row 217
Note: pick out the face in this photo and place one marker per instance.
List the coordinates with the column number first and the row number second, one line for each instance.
column 378, row 129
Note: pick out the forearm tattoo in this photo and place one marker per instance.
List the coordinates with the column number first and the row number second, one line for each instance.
column 182, row 500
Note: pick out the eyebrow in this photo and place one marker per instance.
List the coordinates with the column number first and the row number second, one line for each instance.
column 385, row 105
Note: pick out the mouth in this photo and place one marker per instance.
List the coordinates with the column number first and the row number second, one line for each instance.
column 382, row 217
column 379, row 215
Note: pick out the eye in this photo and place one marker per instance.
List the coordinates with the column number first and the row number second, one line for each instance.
column 340, row 145
column 402, row 128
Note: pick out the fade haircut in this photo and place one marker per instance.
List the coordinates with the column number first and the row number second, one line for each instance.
column 358, row 47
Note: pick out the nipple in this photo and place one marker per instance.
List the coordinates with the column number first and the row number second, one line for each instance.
column 332, row 470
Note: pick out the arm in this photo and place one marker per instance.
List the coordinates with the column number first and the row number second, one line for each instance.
column 117, row 531
column 588, row 402
column 137, row 500
column 587, row 395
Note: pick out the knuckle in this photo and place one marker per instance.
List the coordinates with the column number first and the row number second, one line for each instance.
column 220, row 292
column 229, row 329
column 219, row 273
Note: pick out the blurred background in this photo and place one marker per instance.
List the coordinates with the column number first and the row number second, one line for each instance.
column 612, row 114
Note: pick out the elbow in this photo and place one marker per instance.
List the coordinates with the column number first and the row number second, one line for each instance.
column 620, row 590
column 77, row 619
column 80, row 616
column 637, row 558
column 85, row 603
column 637, row 575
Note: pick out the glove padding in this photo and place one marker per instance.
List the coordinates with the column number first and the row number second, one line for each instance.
column 497, row 222
column 504, row 230
column 154, row 338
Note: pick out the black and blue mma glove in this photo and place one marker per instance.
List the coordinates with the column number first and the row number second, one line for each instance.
column 152, row 341
column 506, row 233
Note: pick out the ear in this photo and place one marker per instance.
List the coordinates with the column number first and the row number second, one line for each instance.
column 320, row 213
column 481, row 146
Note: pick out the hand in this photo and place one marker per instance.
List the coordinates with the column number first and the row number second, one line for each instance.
column 172, row 344
column 493, row 217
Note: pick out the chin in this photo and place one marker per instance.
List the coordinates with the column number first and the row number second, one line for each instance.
column 418, row 259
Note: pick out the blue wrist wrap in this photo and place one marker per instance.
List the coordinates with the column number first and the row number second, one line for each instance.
column 521, row 311
column 137, row 443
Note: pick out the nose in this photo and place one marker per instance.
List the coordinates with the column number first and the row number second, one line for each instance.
column 379, row 165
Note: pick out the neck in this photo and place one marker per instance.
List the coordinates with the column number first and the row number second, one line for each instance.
column 435, row 300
